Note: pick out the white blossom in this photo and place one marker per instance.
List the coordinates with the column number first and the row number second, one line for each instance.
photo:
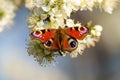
column 108, row 5
column 6, row 14
column 30, row 4
column 94, row 36
column 70, row 23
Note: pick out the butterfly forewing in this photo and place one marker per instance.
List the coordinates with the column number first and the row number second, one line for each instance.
column 77, row 32
column 43, row 35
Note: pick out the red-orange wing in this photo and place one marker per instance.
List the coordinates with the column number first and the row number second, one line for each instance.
column 43, row 35
column 77, row 32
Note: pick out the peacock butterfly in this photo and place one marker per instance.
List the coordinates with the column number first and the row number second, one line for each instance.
column 60, row 40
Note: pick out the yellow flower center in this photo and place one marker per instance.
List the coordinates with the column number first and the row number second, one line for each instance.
column 1, row 14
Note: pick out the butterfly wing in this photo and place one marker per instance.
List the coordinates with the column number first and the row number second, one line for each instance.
column 77, row 32
column 47, row 37
column 43, row 35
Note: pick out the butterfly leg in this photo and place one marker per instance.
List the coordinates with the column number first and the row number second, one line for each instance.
column 60, row 52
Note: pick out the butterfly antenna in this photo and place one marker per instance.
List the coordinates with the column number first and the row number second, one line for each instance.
column 88, row 24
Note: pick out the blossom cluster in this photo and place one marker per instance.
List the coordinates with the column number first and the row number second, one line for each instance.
column 7, row 14
column 54, row 10
column 53, row 14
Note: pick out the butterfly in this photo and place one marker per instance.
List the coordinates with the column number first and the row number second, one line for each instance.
column 60, row 39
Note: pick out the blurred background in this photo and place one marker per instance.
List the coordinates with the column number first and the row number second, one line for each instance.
column 101, row 62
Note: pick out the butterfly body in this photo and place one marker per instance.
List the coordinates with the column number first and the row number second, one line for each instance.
column 60, row 40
